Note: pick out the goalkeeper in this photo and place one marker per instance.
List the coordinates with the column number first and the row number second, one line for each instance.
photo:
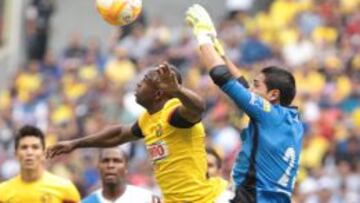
column 266, row 167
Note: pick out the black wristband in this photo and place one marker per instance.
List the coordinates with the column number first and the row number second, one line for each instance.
column 220, row 75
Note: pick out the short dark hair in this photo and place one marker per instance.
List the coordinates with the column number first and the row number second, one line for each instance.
column 29, row 131
column 212, row 151
column 101, row 151
column 283, row 80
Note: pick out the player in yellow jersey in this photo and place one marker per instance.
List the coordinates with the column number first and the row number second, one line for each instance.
column 214, row 161
column 34, row 184
column 174, row 137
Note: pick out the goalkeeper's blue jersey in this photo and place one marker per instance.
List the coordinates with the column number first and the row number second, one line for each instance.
column 267, row 164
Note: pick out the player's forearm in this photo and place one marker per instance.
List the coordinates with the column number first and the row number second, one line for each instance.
column 210, row 57
column 190, row 100
column 109, row 137
column 234, row 70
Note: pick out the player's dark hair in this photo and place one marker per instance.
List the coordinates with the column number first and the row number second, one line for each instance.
column 213, row 152
column 29, row 131
column 126, row 158
column 284, row 81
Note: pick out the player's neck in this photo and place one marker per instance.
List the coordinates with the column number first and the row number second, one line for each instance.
column 114, row 191
column 156, row 107
column 31, row 175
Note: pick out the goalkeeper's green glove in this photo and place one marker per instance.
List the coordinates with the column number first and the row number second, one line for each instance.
column 202, row 26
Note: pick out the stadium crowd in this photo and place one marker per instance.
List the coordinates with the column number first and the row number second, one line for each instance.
column 2, row 5
column 90, row 85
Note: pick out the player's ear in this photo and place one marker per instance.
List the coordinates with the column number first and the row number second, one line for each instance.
column 274, row 95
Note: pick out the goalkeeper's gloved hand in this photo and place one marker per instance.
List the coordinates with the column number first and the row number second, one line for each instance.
column 202, row 26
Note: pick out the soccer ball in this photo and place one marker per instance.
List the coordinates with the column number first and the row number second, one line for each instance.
column 119, row 12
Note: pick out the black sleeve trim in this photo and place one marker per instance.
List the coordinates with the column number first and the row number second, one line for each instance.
column 243, row 81
column 220, row 75
column 136, row 130
column 176, row 120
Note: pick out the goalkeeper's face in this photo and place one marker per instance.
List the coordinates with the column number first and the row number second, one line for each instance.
column 30, row 153
column 259, row 87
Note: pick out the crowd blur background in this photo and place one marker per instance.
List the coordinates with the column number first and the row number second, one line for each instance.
column 88, row 84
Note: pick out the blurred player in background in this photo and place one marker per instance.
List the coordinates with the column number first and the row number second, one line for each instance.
column 174, row 137
column 35, row 184
column 266, row 167
column 113, row 169
column 215, row 170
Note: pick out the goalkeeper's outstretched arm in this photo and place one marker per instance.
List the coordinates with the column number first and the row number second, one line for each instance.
column 211, row 50
column 219, row 70
column 210, row 57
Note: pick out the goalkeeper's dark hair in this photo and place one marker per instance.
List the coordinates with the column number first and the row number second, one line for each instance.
column 29, row 131
column 282, row 80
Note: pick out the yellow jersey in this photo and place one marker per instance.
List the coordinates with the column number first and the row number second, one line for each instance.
column 48, row 189
column 179, row 158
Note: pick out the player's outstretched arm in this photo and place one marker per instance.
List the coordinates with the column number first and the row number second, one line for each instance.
column 192, row 105
column 204, row 30
column 108, row 137
column 222, row 72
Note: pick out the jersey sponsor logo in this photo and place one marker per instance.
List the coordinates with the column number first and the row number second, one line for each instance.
column 158, row 151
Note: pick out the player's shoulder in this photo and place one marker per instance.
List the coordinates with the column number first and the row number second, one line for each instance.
column 57, row 180
column 92, row 198
column 141, row 194
column 172, row 103
column 279, row 110
column 167, row 109
column 291, row 113
column 63, row 185
column 53, row 177
column 9, row 183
